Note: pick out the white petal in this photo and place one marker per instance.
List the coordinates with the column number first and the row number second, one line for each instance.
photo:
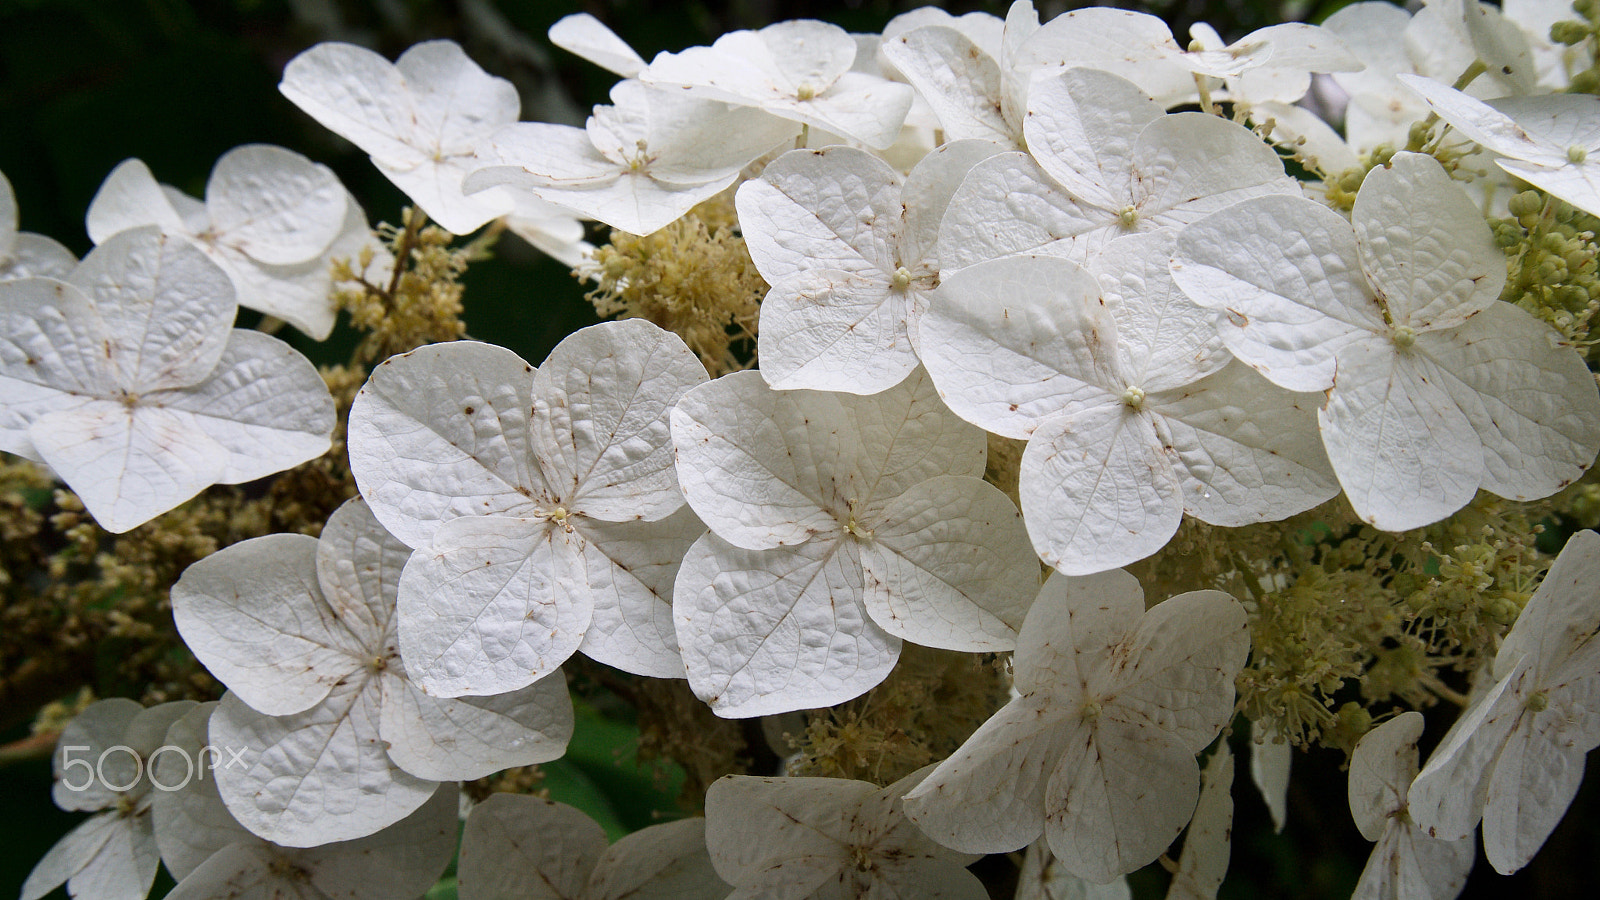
column 108, row 857
column 1405, row 453
column 1098, row 490
column 34, row 255
column 1165, row 340
column 662, row 862
column 1381, row 770
column 769, row 631
column 1448, row 795
column 191, row 823
column 600, row 425
column 442, row 432
column 631, row 569
column 471, row 737
column 1424, row 244
column 437, row 189
column 957, row 78
column 1208, row 844
column 950, row 566
column 583, row 35
column 1286, row 270
column 1082, row 126
column 89, row 735
column 829, row 330
column 516, row 845
column 1007, row 204
column 398, row 861
column 836, row 208
column 1184, row 657
column 255, row 615
column 130, row 197
column 487, row 609
column 780, row 837
column 358, row 95
column 314, row 777
column 274, row 204
column 1270, row 762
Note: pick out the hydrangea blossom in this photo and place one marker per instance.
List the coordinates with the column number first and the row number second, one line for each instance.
column 851, row 250
column 272, row 220
column 1552, row 141
column 420, row 118
column 840, row 525
column 100, row 765
column 340, row 741
column 799, row 70
column 128, row 381
column 543, row 506
column 819, row 838
column 1133, row 411
column 536, row 849
column 1106, row 160
column 1515, row 756
column 210, row 853
column 1406, row 862
column 1435, row 388
column 1097, row 751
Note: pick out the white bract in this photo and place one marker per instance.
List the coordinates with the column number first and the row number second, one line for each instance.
column 1552, row 141
column 798, row 70
column 840, row 525
column 639, row 164
column 543, row 506
column 419, row 118
column 1209, row 841
column 1107, row 160
column 516, row 847
column 212, row 855
column 1515, row 756
column 968, row 75
column 339, row 741
column 824, row 838
column 1097, row 751
column 1434, row 388
column 1406, row 864
column 272, row 220
column 23, row 254
column 1133, row 411
column 101, row 765
column 127, row 379
column 851, row 251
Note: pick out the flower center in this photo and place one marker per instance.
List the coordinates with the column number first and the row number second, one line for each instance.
column 1404, row 336
column 902, row 278
column 805, row 91
column 1133, row 397
column 560, row 516
column 1128, row 216
column 1538, row 702
column 1576, row 154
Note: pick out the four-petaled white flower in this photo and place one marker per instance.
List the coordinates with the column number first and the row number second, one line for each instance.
column 535, row 849
column 542, row 505
column 1406, row 863
column 851, row 250
column 840, row 525
column 1515, row 756
column 1133, row 411
column 420, row 118
column 1097, row 751
column 1106, row 160
column 639, row 164
column 1552, row 141
column 1434, row 387
column 824, row 838
column 338, row 739
column 799, row 70
column 128, row 380
column 272, row 220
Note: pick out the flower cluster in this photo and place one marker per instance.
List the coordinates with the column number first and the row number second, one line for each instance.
column 923, row 337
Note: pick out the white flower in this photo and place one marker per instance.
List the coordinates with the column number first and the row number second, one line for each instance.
column 100, row 764
column 1126, row 396
column 1406, row 863
column 543, row 506
column 272, row 220
column 1434, row 388
column 840, row 525
column 206, row 849
column 535, row 849
column 851, row 251
column 823, row 838
column 1097, row 751
column 639, row 164
column 1553, row 141
column 1107, row 160
column 420, row 118
column 23, row 254
column 338, row 739
column 1515, row 756
column 799, row 70
column 127, row 380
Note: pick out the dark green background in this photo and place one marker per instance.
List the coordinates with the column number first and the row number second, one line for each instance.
column 85, row 84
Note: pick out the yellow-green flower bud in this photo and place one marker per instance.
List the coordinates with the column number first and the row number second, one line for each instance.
column 1570, row 32
column 1527, row 203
